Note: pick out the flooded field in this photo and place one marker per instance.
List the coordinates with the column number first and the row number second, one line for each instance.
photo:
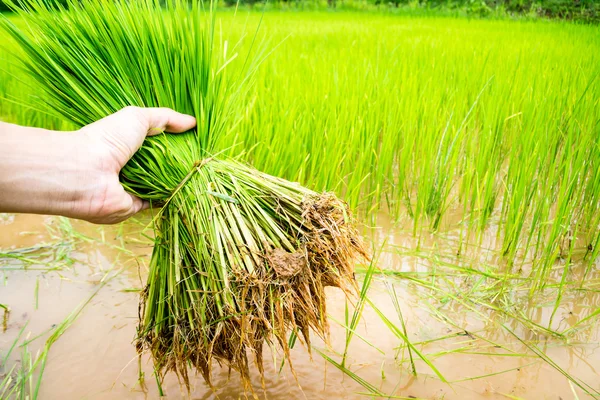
column 482, row 348
column 478, row 137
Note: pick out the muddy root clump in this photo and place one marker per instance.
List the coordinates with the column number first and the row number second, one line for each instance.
column 264, row 280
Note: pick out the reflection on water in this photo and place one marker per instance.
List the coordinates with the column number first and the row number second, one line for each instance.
column 95, row 358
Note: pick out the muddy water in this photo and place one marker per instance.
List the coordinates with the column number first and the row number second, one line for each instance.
column 95, row 358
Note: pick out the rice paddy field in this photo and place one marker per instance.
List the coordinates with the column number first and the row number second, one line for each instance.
column 470, row 151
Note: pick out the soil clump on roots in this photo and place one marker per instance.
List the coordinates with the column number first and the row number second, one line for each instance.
column 284, row 292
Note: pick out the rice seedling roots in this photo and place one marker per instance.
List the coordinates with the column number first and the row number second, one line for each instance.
column 274, row 273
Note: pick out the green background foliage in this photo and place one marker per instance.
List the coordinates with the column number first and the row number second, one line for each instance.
column 580, row 10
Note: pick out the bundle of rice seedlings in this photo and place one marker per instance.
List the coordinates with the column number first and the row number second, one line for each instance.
column 240, row 258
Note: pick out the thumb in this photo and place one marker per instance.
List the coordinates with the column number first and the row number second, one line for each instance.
column 136, row 205
column 161, row 120
column 131, row 206
column 126, row 129
column 126, row 206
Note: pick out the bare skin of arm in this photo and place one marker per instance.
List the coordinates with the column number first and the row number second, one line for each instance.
column 76, row 174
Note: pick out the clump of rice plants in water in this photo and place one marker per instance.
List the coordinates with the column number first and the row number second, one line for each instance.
column 241, row 258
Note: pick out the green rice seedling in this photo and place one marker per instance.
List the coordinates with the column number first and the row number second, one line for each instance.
column 351, row 323
column 400, row 334
column 573, row 380
column 24, row 381
column 480, row 290
column 583, row 322
column 12, row 380
column 394, row 298
column 240, row 257
column 52, row 255
column 373, row 391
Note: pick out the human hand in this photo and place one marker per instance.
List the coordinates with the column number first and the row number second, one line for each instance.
column 112, row 142
column 76, row 174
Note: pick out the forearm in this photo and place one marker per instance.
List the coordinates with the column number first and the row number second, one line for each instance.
column 40, row 171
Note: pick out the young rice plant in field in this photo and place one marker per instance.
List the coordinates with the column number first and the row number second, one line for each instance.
column 240, row 257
